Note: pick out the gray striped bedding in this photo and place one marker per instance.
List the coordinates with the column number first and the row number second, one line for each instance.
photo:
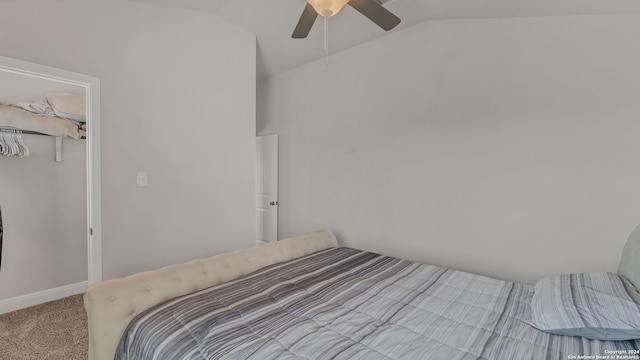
column 343, row 303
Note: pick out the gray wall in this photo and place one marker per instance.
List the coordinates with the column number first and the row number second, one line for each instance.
column 506, row 147
column 177, row 101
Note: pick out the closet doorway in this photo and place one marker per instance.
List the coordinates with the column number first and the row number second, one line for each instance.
column 266, row 188
column 50, row 198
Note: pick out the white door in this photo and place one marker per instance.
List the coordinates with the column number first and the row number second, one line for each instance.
column 267, row 188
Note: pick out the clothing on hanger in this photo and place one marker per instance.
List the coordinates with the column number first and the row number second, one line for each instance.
column 12, row 144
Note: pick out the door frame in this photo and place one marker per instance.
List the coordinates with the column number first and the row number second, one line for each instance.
column 91, row 86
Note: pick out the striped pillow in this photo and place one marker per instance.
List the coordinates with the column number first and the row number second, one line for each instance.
column 600, row 306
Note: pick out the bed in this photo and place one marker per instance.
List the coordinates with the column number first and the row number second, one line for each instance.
column 308, row 298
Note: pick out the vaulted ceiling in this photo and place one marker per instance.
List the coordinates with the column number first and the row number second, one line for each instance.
column 274, row 20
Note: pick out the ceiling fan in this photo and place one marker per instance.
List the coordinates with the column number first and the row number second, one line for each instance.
column 372, row 9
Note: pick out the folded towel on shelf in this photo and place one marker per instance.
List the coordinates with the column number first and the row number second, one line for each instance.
column 36, row 107
column 68, row 106
column 18, row 118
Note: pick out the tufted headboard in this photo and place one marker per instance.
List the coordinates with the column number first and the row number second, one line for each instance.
column 111, row 304
column 630, row 261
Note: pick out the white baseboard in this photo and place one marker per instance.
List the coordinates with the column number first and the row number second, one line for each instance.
column 39, row 297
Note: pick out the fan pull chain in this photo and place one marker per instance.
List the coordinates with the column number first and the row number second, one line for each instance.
column 326, row 41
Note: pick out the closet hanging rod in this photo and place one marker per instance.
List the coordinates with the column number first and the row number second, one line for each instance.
column 28, row 132
column 19, row 131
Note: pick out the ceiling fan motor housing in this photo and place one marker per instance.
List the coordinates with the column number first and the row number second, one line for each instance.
column 327, row 8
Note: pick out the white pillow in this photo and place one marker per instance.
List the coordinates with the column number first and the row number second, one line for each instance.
column 68, row 106
column 600, row 306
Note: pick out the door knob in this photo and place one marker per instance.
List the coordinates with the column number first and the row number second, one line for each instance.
column 273, row 203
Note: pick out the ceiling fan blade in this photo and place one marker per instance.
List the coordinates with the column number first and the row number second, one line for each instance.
column 376, row 13
column 305, row 23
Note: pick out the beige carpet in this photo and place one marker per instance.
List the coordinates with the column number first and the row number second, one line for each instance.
column 54, row 330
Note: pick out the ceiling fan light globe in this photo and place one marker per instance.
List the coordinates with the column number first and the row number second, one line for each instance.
column 327, row 8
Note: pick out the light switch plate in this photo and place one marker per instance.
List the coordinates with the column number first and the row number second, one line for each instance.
column 142, row 179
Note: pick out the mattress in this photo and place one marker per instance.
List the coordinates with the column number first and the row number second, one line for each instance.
column 343, row 303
